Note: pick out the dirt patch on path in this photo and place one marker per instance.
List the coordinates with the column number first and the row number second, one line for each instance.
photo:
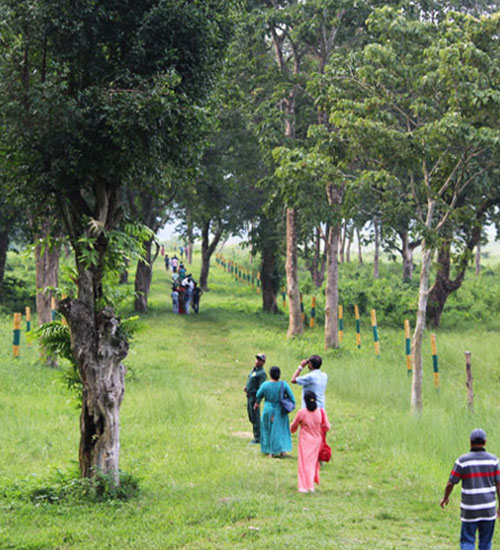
column 244, row 435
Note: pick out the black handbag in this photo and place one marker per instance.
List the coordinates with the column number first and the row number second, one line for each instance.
column 287, row 405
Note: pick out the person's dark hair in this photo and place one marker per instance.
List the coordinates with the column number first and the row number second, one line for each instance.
column 275, row 373
column 315, row 361
column 310, row 400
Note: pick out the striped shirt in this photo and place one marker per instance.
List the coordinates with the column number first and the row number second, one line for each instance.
column 479, row 472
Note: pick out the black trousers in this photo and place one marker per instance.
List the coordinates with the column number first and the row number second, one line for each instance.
column 254, row 416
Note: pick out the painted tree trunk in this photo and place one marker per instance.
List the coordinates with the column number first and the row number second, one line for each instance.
column 332, row 289
column 99, row 349
column 143, row 278
column 418, row 334
column 295, row 326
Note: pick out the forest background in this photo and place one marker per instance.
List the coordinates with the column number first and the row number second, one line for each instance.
column 306, row 127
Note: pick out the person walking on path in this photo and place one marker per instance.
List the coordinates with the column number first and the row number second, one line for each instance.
column 314, row 381
column 167, row 262
column 275, row 438
column 256, row 378
column 312, row 422
column 197, row 292
column 175, row 299
column 174, row 263
column 479, row 473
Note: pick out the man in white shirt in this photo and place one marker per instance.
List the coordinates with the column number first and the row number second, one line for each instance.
column 314, row 380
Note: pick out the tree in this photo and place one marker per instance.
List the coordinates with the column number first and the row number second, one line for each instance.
column 150, row 208
column 421, row 101
column 95, row 97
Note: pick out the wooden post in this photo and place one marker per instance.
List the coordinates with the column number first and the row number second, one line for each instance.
column 16, row 343
column 27, row 311
column 341, row 322
column 313, row 311
column 358, row 327
column 435, row 361
column 408, row 346
column 53, row 308
column 470, row 392
column 376, row 343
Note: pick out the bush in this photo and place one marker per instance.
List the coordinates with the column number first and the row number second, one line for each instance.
column 64, row 487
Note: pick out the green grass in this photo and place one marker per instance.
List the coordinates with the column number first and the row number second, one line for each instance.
column 201, row 485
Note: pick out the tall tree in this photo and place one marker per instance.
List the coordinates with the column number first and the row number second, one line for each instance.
column 420, row 100
column 97, row 96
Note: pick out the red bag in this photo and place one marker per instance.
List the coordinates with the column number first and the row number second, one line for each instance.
column 325, row 451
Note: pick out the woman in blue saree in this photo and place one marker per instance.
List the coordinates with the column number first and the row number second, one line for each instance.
column 275, row 438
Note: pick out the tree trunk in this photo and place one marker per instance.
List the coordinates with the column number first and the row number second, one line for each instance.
column 416, row 344
column 143, row 278
column 444, row 286
column 478, row 259
column 99, row 348
column 332, row 289
column 269, row 279
column 348, row 248
column 47, row 273
column 295, row 326
column 342, row 242
column 377, row 250
column 407, row 256
column 124, row 273
column 317, row 266
column 4, row 246
column 360, row 248
column 335, row 195
column 207, row 249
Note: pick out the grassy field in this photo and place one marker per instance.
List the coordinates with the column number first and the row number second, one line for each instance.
column 184, row 436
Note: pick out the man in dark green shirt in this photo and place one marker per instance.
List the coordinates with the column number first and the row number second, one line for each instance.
column 256, row 377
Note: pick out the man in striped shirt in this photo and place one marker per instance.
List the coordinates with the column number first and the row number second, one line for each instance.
column 479, row 472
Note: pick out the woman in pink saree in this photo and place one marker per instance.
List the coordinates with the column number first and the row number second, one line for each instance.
column 312, row 421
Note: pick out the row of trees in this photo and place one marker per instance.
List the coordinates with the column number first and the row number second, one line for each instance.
column 386, row 113
column 297, row 121
column 101, row 109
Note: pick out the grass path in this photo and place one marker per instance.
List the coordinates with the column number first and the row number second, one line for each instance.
column 202, row 485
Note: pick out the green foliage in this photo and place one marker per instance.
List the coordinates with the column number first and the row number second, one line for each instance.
column 18, row 289
column 66, row 487
column 393, row 298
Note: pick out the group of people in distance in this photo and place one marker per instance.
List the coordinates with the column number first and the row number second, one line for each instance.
column 273, row 430
column 186, row 293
